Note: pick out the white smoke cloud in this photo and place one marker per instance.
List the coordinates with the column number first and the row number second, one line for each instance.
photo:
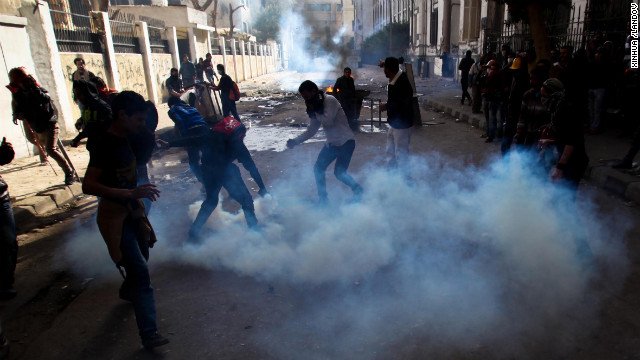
column 478, row 260
column 464, row 256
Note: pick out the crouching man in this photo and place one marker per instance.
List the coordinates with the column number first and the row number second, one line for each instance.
column 220, row 147
column 112, row 176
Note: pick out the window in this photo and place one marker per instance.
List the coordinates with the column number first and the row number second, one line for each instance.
column 317, row 7
column 433, row 23
column 471, row 26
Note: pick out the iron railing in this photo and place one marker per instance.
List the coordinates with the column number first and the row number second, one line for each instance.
column 157, row 41
column 74, row 28
column 123, row 32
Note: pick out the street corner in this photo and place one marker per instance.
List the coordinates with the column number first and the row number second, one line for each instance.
column 60, row 195
column 39, row 204
column 615, row 181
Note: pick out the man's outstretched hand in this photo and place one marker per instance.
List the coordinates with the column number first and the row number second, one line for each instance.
column 291, row 143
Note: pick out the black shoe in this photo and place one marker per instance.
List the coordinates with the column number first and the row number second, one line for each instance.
column 124, row 293
column 623, row 165
column 8, row 294
column 68, row 178
column 154, row 340
column 489, row 140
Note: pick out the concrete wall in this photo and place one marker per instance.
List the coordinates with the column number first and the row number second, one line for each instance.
column 95, row 64
column 161, row 65
column 15, row 45
column 202, row 47
column 131, row 71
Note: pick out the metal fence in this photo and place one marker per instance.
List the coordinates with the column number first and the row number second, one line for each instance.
column 567, row 25
column 123, row 32
column 157, row 41
column 73, row 27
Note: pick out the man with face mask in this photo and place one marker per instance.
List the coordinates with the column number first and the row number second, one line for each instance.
column 174, row 84
column 326, row 111
column 226, row 86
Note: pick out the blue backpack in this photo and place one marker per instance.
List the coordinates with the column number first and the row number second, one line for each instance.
column 186, row 117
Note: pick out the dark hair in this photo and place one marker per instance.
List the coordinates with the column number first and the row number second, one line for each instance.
column 128, row 101
column 78, row 59
column 174, row 101
column 468, row 52
column 98, row 82
column 569, row 48
column 173, row 69
column 220, row 67
column 307, row 85
column 400, row 60
column 541, row 73
column 505, row 47
column 392, row 64
column 208, row 54
column 347, row 68
column 151, row 122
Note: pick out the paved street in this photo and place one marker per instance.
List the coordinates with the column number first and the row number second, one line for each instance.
column 472, row 258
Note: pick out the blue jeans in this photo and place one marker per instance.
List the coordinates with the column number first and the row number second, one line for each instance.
column 342, row 155
column 135, row 253
column 494, row 107
column 229, row 107
column 596, row 107
column 8, row 246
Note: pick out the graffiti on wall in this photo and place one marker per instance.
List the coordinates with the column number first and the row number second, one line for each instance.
column 161, row 65
column 131, row 73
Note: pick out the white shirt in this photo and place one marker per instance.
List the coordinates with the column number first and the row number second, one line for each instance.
column 333, row 121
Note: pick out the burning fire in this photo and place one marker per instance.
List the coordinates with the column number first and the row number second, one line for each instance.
column 330, row 89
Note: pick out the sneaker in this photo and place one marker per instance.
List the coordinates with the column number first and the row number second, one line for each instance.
column 154, row 340
column 124, row 293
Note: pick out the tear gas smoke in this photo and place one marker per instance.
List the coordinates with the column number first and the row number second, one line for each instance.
column 464, row 258
column 473, row 256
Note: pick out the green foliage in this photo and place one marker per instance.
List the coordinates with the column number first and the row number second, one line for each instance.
column 376, row 47
column 267, row 25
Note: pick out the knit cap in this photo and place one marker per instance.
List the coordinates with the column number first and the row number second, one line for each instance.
column 553, row 85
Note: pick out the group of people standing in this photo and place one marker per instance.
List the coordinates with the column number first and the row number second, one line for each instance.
column 544, row 105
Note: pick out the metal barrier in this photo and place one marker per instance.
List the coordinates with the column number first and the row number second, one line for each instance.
column 123, row 32
column 157, row 41
column 74, row 28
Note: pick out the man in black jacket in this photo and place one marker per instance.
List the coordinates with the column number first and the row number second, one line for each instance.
column 345, row 91
column 399, row 112
column 464, row 67
column 31, row 103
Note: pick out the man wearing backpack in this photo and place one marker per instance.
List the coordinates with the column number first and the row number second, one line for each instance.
column 32, row 104
column 189, row 123
column 229, row 93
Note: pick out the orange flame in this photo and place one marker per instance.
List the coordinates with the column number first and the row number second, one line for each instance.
column 330, row 89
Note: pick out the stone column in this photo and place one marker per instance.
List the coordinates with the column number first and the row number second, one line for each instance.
column 264, row 63
column 256, row 58
column 223, row 49
column 172, row 38
column 49, row 70
column 193, row 52
column 244, row 69
column 250, row 61
column 145, row 48
column 232, row 43
column 102, row 22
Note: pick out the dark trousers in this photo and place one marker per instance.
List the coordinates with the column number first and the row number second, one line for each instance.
column 633, row 150
column 465, row 92
column 229, row 107
column 231, row 180
column 342, row 155
column 8, row 246
column 135, row 253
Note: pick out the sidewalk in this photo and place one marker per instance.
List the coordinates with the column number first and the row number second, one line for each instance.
column 603, row 149
column 36, row 190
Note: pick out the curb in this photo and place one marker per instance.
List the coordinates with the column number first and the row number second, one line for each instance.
column 27, row 212
column 605, row 177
